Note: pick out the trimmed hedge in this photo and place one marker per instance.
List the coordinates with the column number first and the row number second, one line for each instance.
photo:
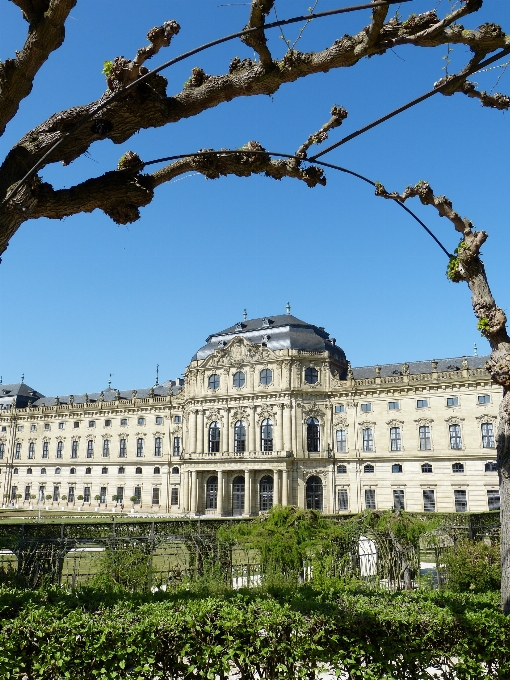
column 53, row 634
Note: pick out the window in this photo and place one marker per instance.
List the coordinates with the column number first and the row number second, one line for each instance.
column 424, row 433
column 314, row 493
column 43, row 471
column 107, row 423
column 493, row 500
column 122, row 448
column 74, row 449
column 341, row 469
column 429, row 500
column 240, row 437
column 266, row 435
column 366, row 407
column 86, row 494
column 396, row 468
column 313, row 442
column 211, row 493
column 14, row 493
column 92, row 423
column 106, row 448
column 138, row 494
column 395, row 439
column 426, row 468
column 46, row 426
column 33, row 428
column 455, row 438
column 70, row 495
column 311, row 375
column 88, row 471
column 138, row 471
column 31, row 450
column 76, row 424
column 104, row 471
column 123, row 423
column 15, row 471
column 61, row 426
column 487, row 435
column 177, row 419
column 158, row 449
column 214, row 438
column 484, row 399
column 139, row 447
column 458, row 468
column 174, row 496
column 452, row 401
column 157, row 471
column 177, row 446
column 422, row 403
column 60, row 448
column 266, row 376
column 368, row 439
column 72, row 471
column 17, row 453
column 2, row 450
column 20, row 428
column 393, row 405
column 491, row 466
column 40, row 497
column 239, row 379
column 460, row 496
column 370, row 499
column 90, row 449
column 120, row 494
column 339, row 408
column 343, row 500
column 214, row 381
column 102, row 495
column 398, row 499
column 369, row 469
column 266, row 488
column 175, row 470
column 56, row 494
column 122, row 470
column 4, row 428
column 341, row 441
column 27, row 493
column 141, row 421
column 57, row 471
column 155, row 495
column 159, row 420
column 29, row 471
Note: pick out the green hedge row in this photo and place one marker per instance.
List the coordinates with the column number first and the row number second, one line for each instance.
column 361, row 634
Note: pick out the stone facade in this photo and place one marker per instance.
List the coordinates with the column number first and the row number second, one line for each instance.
column 269, row 412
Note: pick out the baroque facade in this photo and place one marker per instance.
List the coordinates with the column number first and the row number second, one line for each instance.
column 269, row 412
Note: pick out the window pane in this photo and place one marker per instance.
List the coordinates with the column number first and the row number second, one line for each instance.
column 493, row 500
column 313, row 435
column 455, row 438
column 174, row 496
column 370, row 499
column 368, row 442
column 429, row 500
column 488, row 436
column 424, row 438
column 343, row 500
column 341, row 441
column 155, row 495
column 339, row 408
column 393, row 405
column 311, row 376
column 214, row 438
column 239, row 379
column 266, row 376
column 422, row 403
column 214, row 382
column 366, row 407
column 460, row 500
column 426, row 468
column 395, row 439
column 341, row 469
column 398, row 499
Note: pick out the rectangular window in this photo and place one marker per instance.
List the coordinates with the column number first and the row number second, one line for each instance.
column 368, row 439
column 31, row 450
column 455, row 438
column 174, row 496
column 120, row 494
column 395, row 439
column 177, row 419
column 27, row 493
column 177, row 446
column 393, row 405
column 158, row 448
column 493, row 499
column 398, row 499
column 460, row 496
column 122, row 448
column 139, row 448
column 366, row 407
column 159, row 420
column 102, row 495
column 14, row 493
column 487, row 435
column 339, row 408
column 123, row 422
column 92, row 423
column 343, row 500
column 70, row 495
column 17, row 453
column 86, row 494
column 33, row 428
column 341, row 441
column 155, row 495
column 370, row 499
column 56, row 494
column 74, row 450
column 484, row 399
column 20, row 428
column 141, row 421
column 76, row 424
column 40, row 496
column 107, row 423
column 138, row 494
column 46, row 426
column 61, row 426
column 90, row 449
column 106, row 448
column 60, row 448
column 429, row 500
column 2, row 450
column 422, row 403
column 424, row 432
column 452, row 401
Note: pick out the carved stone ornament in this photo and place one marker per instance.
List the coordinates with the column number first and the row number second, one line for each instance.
column 350, row 372
column 177, row 430
column 101, row 396
column 240, row 414
column 117, row 395
column 237, row 352
column 454, row 420
column 133, row 394
column 158, row 434
column 365, row 424
column 151, row 392
column 213, row 416
column 315, row 473
column 340, row 421
column 71, row 398
column 395, row 423
column 465, row 363
column 46, row 439
column 313, row 411
column 140, row 434
column 266, row 414
column 107, row 436
column 424, row 421
column 405, row 369
column 487, row 419
column 86, row 398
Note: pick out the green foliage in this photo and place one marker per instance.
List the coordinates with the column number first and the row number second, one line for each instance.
column 107, row 68
column 472, row 566
column 452, row 271
column 126, row 567
column 483, row 326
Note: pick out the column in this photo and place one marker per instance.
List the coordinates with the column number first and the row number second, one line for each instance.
column 185, row 491
column 219, row 505
column 200, row 432
column 252, row 437
column 285, row 487
column 287, row 428
column 279, row 429
column 193, row 492
column 301, row 500
column 231, row 424
column 224, row 434
column 192, row 444
column 330, row 505
column 247, row 492
column 276, row 487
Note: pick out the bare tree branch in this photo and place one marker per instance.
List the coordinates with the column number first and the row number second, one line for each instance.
column 338, row 115
column 45, row 34
column 257, row 40
column 495, row 101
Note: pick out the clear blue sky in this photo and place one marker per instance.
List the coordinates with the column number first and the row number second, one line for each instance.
column 83, row 297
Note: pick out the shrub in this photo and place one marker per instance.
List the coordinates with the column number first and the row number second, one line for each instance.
column 472, row 566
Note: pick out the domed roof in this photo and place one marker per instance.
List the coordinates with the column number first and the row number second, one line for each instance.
column 282, row 331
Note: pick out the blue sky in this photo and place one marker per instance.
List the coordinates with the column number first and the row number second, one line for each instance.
column 82, row 298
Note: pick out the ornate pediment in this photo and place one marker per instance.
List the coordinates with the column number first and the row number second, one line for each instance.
column 487, row 419
column 214, row 416
column 266, row 413
column 312, row 410
column 238, row 352
column 394, row 423
column 240, row 414
column 340, row 421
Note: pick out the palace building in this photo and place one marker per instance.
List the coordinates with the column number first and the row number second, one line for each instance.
column 269, row 412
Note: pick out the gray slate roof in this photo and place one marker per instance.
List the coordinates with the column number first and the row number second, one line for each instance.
column 111, row 394
column 388, row 370
column 23, row 394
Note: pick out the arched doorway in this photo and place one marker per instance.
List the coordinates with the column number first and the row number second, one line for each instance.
column 266, row 493
column 314, row 493
column 238, row 496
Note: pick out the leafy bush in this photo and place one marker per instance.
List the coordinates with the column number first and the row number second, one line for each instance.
column 472, row 566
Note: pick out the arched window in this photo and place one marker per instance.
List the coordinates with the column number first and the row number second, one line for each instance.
column 313, row 443
column 211, row 493
column 266, row 493
column 369, row 469
column 90, row 448
column 311, row 375
column 60, row 449
column 341, row 469
column 266, row 435
column 138, row 471
column 458, row 467
column 239, row 379
column 31, row 450
column 29, row 471
column 266, row 376
column 314, row 493
column 122, row 471
column 214, row 382
column 240, row 437
column 491, row 466
column 72, row 471
column 58, row 471
column 214, row 437
column 157, row 471
column 88, row 471
column 238, row 496
column 104, row 471
column 43, row 471
column 426, row 468
column 396, row 468
column 15, row 471
column 175, row 470
column 157, row 446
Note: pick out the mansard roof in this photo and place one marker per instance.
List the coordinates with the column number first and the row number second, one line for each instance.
column 111, row 394
column 414, row 367
column 282, row 331
column 19, row 392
